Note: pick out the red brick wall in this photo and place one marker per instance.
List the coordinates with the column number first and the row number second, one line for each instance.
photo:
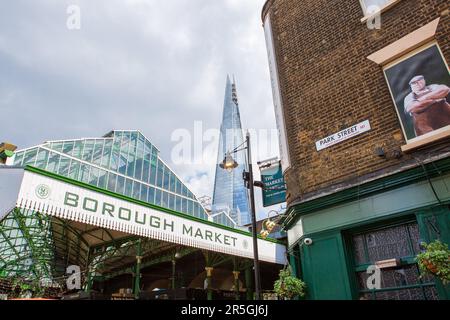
column 328, row 84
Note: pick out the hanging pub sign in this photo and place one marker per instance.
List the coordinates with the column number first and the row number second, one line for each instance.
column 343, row 135
column 274, row 191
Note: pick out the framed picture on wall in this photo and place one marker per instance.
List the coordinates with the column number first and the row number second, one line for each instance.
column 420, row 87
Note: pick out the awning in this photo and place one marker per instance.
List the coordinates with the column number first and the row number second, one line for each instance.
column 74, row 201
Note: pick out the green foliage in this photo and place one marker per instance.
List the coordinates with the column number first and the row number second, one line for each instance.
column 435, row 260
column 288, row 286
column 24, row 287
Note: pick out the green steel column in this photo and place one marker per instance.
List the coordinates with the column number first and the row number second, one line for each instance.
column 249, row 283
column 137, row 279
column 209, row 271
column 236, row 284
column 173, row 272
column 89, row 281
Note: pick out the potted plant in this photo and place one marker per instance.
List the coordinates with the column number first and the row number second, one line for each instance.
column 288, row 286
column 435, row 260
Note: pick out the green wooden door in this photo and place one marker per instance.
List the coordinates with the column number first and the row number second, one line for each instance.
column 324, row 268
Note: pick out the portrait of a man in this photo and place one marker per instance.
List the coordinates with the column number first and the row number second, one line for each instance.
column 420, row 87
column 427, row 105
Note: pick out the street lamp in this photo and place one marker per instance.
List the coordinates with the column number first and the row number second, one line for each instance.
column 229, row 164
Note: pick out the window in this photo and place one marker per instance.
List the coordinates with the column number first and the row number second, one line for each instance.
column 53, row 162
column 68, row 147
column 18, row 158
column 42, row 158
column 112, row 178
column 64, row 166
column 106, row 154
column 401, row 282
column 151, row 195
column 78, row 149
column 74, row 169
column 88, row 149
column 136, row 190
column 370, row 6
column 98, row 151
column 30, row 157
column 102, row 179
column 144, row 191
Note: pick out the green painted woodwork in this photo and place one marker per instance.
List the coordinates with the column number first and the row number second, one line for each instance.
column 324, row 268
column 401, row 201
column 137, row 277
column 394, row 181
column 434, row 223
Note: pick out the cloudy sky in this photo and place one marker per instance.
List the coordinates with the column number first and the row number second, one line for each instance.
column 155, row 66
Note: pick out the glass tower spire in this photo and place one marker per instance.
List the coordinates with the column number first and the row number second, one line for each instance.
column 230, row 199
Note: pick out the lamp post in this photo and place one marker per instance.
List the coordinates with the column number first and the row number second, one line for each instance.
column 229, row 164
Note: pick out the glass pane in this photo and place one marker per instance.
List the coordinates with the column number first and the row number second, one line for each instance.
column 42, row 158
column 146, row 171
column 179, row 187
column 53, row 162
column 18, row 158
column 178, row 205
column 120, row 185
column 74, row 169
column 166, row 181
column 185, row 206
column 153, row 171
column 138, row 169
column 151, row 195
column 388, row 243
column 136, row 190
column 98, row 151
column 68, row 147
column 165, row 200
column 57, row 146
column 30, row 157
column 93, row 177
column 115, row 154
column 159, row 179
column 128, row 187
column 131, row 164
column 158, row 197
column 84, row 173
column 171, row 201
column 172, row 182
column 64, row 166
column 78, row 149
column 102, row 179
column 358, row 250
column 415, row 237
column 144, row 191
column 88, row 150
column 124, row 153
column 107, row 153
column 112, row 178
column 147, row 151
column 378, row 3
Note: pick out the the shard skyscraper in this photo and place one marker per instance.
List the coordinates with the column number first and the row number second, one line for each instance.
column 230, row 199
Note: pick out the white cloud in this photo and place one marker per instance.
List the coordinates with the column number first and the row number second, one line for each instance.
column 155, row 66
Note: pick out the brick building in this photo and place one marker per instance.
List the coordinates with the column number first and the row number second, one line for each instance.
column 361, row 101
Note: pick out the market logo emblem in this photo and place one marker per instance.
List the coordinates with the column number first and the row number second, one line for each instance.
column 42, row 191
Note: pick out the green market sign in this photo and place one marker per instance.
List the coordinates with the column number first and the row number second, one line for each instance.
column 71, row 202
column 274, row 191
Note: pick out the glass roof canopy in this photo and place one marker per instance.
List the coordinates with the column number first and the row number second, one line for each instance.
column 123, row 162
column 36, row 246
